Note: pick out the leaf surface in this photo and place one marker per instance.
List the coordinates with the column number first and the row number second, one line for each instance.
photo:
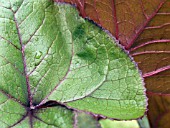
column 84, row 120
column 119, row 124
column 52, row 62
column 161, row 113
column 143, row 27
column 145, row 34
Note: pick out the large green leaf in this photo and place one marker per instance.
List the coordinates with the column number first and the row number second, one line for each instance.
column 52, row 62
column 143, row 27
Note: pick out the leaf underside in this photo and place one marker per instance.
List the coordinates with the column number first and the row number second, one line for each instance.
column 52, row 62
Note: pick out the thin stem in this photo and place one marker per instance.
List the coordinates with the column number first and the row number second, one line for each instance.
column 149, row 74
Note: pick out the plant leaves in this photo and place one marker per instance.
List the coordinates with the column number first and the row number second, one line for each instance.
column 161, row 113
column 119, row 124
column 145, row 36
column 17, row 115
column 143, row 28
column 53, row 61
column 84, row 120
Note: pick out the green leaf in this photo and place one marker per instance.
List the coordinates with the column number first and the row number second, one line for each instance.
column 119, row 124
column 52, row 62
column 143, row 28
column 84, row 120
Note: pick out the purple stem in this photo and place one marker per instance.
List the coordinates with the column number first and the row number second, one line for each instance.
column 150, row 52
column 150, row 42
column 130, row 43
column 149, row 74
column 115, row 20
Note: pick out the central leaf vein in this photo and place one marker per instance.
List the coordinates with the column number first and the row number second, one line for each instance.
column 23, row 59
